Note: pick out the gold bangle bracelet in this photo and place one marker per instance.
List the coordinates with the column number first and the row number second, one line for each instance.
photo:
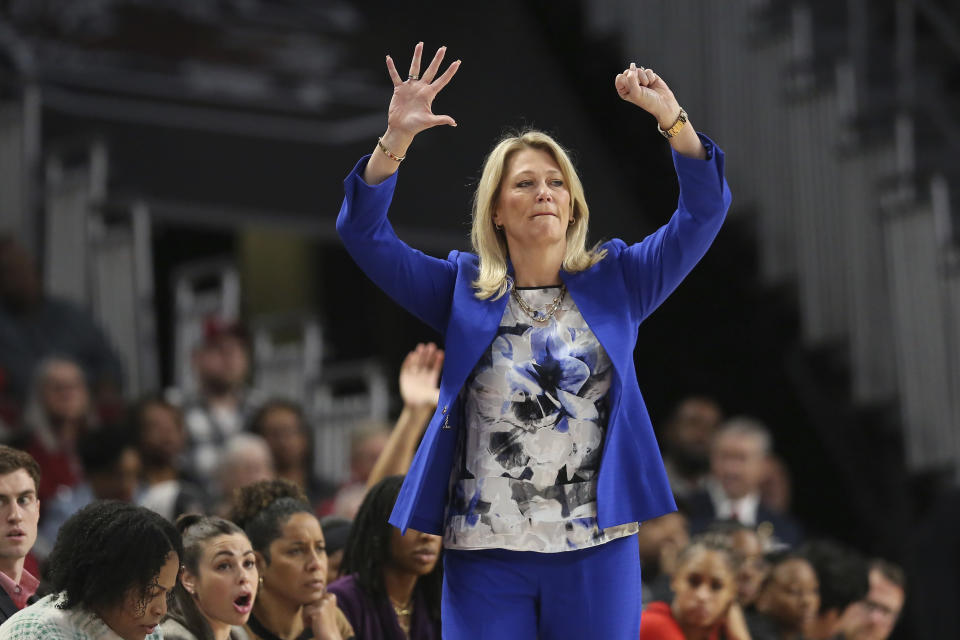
column 389, row 153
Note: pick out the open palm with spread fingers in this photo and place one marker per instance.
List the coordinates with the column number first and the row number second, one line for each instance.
column 648, row 91
column 411, row 108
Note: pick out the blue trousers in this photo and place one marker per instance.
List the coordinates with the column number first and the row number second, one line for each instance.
column 494, row 594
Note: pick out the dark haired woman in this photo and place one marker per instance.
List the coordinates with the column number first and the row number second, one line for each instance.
column 704, row 605
column 391, row 582
column 288, row 543
column 218, row 582
column 112, row 568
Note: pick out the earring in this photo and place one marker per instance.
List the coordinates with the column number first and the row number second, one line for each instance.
column 261, row 579
column 498, row 227
column 573, row 221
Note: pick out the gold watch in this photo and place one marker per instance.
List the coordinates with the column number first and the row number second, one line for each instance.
column 676, row 127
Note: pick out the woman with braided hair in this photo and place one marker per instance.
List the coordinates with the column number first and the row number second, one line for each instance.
column 292, row 602
column 391, row 582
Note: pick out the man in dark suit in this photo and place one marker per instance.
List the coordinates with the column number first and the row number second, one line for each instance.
column 19, row 514
column 738, row 463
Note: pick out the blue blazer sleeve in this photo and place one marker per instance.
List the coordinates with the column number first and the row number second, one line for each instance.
column 655, row 266
column 422, row 284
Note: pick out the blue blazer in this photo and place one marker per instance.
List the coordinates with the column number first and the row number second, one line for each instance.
column 614, row 296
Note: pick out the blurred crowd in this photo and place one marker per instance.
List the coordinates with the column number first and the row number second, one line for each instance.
column 223, row 478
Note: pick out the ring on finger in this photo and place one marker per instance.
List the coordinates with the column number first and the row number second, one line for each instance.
column 413, row 76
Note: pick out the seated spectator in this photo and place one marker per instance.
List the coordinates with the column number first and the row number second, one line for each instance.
column 111, row 571
column 223, row 402
column 292, row 562
column 875, row 617
column 367, row 443
column 336, row 531
column 160, row 439
column 686, row 443
column 246, row 460
column 704, row 604
column 112, row 470
column 218, row 582
column 747, row 546
column 842, row 575
column 20, row 511
column 283, row 426
column 660, row 540
column 35, row 326
column 738, row 464
column 57, row 416
column 788, row 600
column 391, row 582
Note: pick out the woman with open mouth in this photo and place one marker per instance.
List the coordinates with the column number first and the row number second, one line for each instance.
column 292, row 602
column 390, row 589
column 218, row 582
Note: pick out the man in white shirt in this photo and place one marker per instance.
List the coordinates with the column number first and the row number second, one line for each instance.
column 739, row 455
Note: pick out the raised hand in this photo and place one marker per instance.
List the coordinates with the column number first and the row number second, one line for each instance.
column 411, row 108
column 420, row 376
column 648, row 91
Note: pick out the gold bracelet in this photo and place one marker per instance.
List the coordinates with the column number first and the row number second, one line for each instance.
column 675, row 127
column 389, row 153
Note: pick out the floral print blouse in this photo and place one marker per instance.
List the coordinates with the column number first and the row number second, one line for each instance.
column 536, row 411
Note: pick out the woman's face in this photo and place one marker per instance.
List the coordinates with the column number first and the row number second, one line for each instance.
column 226, row 581
column 534, row 201
column 753, row 568
column 414, row 552
column 704, row 586
column 140, row 612
column 297, row 571
column 792, row 595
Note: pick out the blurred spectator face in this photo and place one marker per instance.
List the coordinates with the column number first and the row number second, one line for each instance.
column 704, row 587
column 119, row 482
column 775, row 488
column 334, row 560
column 738, row 463
column 364, row 455
column 414, row 552
column 222, row 363
column 162, row 436
column 791, row 597
column 246, row 464
column 285, row 435
column 691, row 431
column 19, row 281
column 660, row 540
column 875, row 617
column 19, row 513
column 63, row 392
column 753, row 568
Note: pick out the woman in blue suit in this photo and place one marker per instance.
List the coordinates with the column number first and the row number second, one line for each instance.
column 540, row 460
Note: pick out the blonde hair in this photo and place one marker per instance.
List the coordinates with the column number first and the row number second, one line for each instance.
column 490, row 245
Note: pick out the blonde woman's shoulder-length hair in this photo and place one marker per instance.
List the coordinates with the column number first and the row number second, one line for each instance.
column 490, row 245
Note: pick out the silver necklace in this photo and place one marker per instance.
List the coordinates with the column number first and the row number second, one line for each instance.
column 540, row 315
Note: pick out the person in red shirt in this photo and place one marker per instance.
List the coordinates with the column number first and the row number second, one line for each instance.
column 704, row 606
column 19, row 514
